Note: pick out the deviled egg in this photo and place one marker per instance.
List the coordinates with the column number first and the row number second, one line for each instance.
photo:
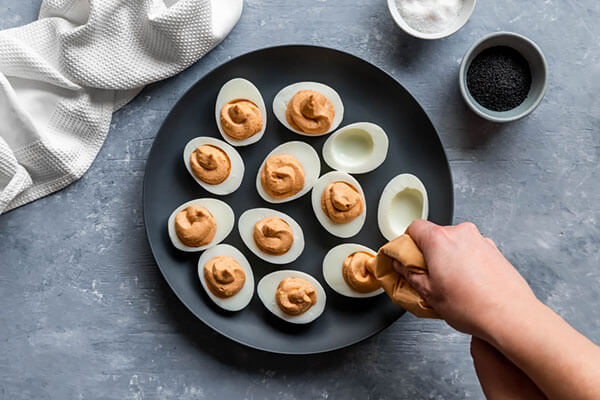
column 309, row 108
column 240, row 112
column 200, row 224
column 271, row 235
column 404, row 199
column 339, row 204
column 226, row 276
column 215, row 165
column 356, row 148
column 293, row 296
column 288, row 172
column 347, row 270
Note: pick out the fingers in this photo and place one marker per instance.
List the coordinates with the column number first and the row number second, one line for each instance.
column 500, row 378
column 419, row 282
column 420, row 231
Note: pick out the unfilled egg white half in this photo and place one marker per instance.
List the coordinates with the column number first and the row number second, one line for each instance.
column 340, row 230
column 246, row 223
column 286, row 94
column 222, row 213
column 240, row 89
column 267, row 287
column 308, row 159
column 332, row 269
column 236, row 175
column 242, row 298
column 356, row 148
column 404, row 199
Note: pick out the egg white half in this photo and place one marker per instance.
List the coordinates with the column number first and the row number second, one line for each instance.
column 222, row 213
column 286, row 94
column 267, row 287
column 356, row 148
column 404, row 199
column 308, row 159
column 340, row 230
column 242, row 298
column 246, row 223
column 236, row 175
column 240, row 89
column 332, row 269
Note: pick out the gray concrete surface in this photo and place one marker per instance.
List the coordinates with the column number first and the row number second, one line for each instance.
column 86, row 314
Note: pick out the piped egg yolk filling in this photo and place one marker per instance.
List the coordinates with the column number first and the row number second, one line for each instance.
column 241, row 119
column 295, row 296
column 224, row 276
column 310, row 112
column 355, row 271
column 210, row 164
column 341, row 202
column 195, row 226
column 282, row 176
column 273, row 236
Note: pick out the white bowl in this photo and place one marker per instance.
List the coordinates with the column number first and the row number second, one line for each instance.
column 464, row 15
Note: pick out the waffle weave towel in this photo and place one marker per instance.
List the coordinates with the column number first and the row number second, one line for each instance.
column 62, row 77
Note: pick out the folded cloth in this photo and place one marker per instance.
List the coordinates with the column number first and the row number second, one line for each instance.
column 62, row 77
column 404, row 250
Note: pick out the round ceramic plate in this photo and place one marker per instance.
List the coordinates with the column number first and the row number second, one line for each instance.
column 369, row 94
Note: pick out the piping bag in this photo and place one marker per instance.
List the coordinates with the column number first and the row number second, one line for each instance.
column 404, row 250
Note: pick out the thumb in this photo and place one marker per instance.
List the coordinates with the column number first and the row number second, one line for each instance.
column 420, row 231
column 419, row 282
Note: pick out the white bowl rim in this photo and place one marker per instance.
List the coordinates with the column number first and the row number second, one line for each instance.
column 463, row 87
column 421, row 35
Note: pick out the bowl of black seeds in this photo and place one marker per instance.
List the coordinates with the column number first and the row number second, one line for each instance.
column 503, row 77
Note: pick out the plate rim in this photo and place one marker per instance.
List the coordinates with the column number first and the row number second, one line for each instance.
column 153, row 149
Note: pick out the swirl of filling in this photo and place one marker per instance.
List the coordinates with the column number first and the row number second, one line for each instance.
column 356, row 273
column 341, row 202
column 241, row 119
column 210, row 164
column 195, row 226
column 295, row 296
column 282, row 176
column 224, row 276
column 310, row 112
column 273, row 236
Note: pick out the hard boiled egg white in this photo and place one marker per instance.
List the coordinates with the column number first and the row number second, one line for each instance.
column 240, row 89
column 267, row 287
column 356, row 148
column 233, row 181
column 242, row 298
column 340, row 230
column 306, row 156
column 404, row 199
column 332, row 269
column 222, row 213
column 286, row 94
column 246, row 228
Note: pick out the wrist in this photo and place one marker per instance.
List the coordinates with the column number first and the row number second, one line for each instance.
column 506, row 322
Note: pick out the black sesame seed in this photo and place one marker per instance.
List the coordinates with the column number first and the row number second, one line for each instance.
column 499, row 78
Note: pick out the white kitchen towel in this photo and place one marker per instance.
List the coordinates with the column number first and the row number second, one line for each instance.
column 62, row 77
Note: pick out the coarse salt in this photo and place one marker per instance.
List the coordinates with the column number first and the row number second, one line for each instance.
column 430, row 16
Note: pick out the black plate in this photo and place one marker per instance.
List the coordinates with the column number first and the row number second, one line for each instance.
column 369, row 94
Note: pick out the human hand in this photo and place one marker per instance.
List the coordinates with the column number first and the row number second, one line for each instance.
column 469, row 281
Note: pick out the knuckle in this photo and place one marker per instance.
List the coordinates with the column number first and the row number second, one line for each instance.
column 438, row 233
column 469, row 227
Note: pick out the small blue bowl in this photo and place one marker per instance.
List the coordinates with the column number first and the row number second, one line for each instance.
column 537, row 64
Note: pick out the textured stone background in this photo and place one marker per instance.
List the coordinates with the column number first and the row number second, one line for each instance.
column 86, row 314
